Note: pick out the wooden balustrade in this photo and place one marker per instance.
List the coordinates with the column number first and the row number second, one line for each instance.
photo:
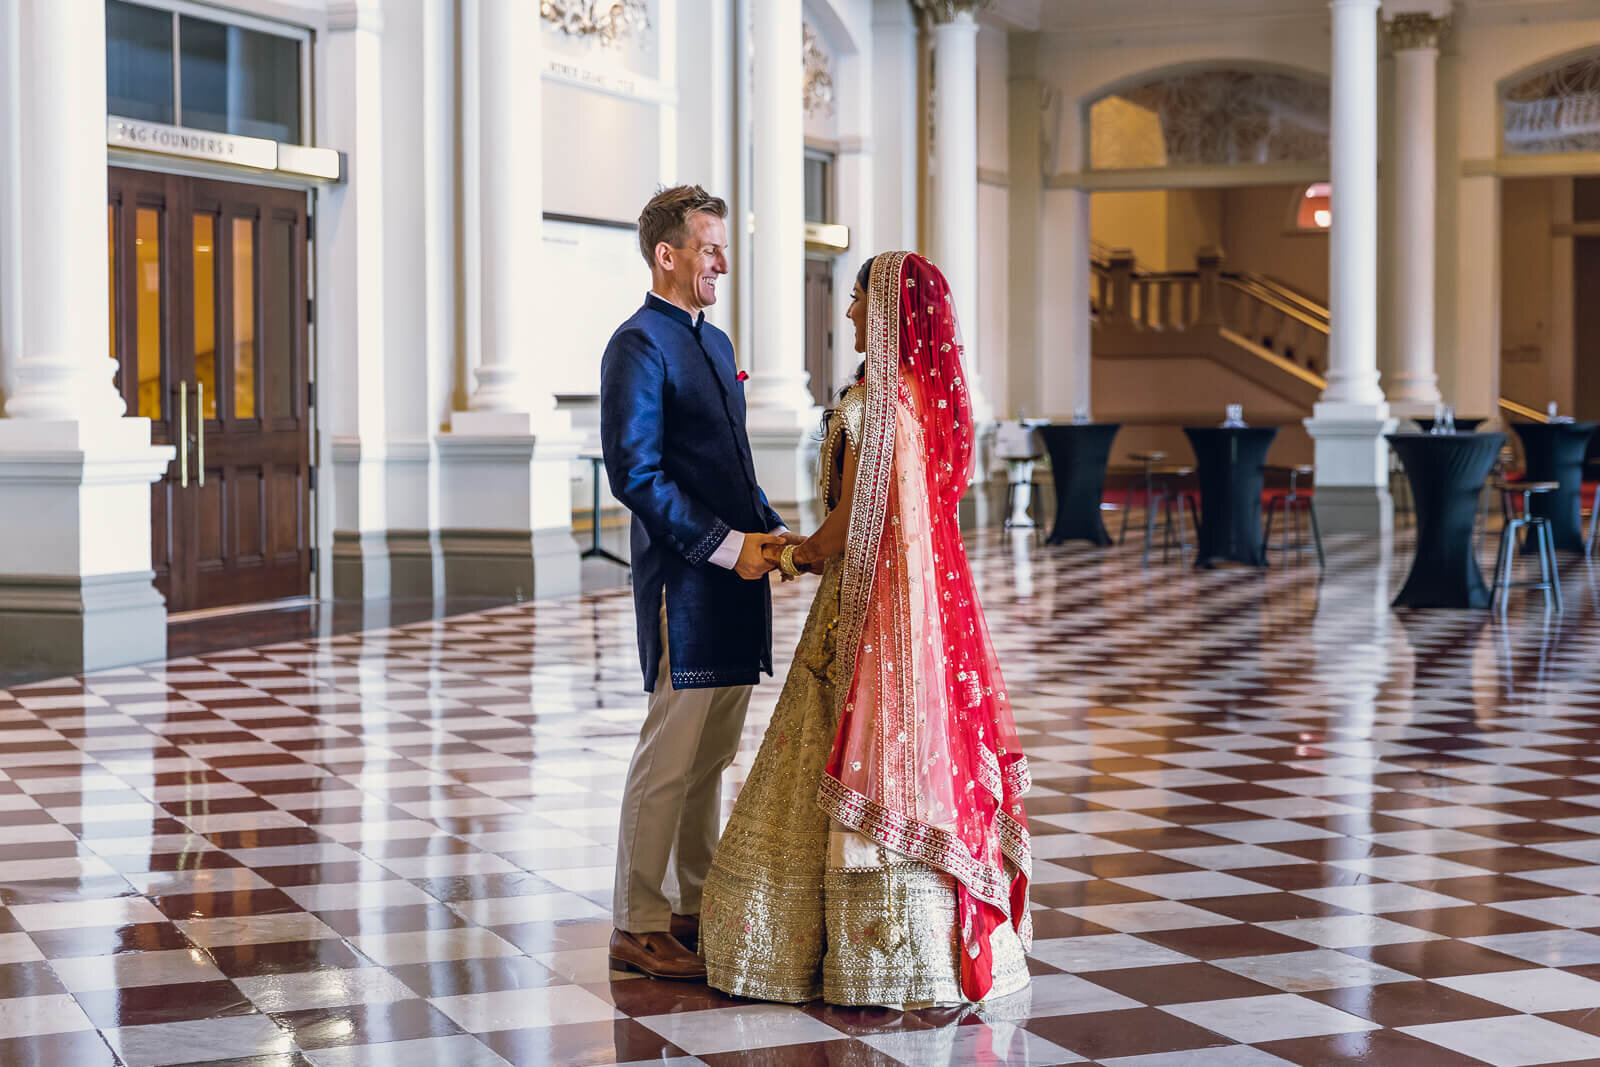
column 1266, row 313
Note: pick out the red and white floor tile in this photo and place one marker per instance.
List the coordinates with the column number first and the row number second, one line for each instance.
column 1275, row 823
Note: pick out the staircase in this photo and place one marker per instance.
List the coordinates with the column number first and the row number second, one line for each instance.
column 1174, row 348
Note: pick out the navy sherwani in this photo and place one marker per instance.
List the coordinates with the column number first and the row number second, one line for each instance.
column 677, row 456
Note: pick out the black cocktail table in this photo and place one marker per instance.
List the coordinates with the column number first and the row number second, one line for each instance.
column 1446, row 472
column 1554, row 453
column 1078, row 454
column 1230, row 462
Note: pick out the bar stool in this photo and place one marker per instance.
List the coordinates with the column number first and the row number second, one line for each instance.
column 1149, row 459
column 1538, row 527
column 1290, row 503
column 1170, row 501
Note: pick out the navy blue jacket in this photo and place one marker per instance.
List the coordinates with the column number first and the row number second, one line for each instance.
column 677, row 456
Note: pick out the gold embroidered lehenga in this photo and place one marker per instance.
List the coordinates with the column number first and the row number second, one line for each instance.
column 806, row 897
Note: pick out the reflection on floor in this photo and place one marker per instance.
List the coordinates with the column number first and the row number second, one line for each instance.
column 1274, row 822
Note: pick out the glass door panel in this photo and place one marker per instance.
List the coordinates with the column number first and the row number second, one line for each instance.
column 150, row 327
column 203, row 242
column 244, row 319
column 280, row 321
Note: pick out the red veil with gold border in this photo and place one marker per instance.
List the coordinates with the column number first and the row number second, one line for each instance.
column 926, row 761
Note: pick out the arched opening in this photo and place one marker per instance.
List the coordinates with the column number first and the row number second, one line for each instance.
column 1553, row 109
column 1221, row 116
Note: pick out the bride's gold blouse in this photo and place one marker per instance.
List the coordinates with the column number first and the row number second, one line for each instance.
column 844, row 432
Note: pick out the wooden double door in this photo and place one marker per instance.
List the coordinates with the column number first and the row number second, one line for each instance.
column 210, row 331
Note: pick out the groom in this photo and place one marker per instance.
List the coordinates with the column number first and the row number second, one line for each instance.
column 672, row 428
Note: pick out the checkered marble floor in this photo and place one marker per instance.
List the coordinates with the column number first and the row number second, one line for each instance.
column 1275, row 823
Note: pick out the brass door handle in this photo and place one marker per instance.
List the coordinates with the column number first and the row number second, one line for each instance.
column 200, row 424
column 183, row 434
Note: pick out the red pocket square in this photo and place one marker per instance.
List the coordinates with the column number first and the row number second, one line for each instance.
column 744, row 376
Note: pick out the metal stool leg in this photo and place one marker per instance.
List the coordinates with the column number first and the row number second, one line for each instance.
column 1547, row 554
column 1266, row 528
column 1594, row 524
column 1149, row 527
column 1316, row 532
column 1508, row 538
column 1194, row 515
column 1166, row 529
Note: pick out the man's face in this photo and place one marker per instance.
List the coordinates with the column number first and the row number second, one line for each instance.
column 692, row 271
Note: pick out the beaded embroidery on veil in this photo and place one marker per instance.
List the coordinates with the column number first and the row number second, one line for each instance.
column 926, row 761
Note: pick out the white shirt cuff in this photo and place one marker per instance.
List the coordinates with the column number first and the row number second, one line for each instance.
column 726, row 555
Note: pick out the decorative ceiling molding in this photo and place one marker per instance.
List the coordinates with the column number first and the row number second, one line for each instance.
column 608, row 21
column 1416, row 30
column 819, row 73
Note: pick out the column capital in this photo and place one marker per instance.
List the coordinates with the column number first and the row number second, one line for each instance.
column 1414, row 30
column 948, row 11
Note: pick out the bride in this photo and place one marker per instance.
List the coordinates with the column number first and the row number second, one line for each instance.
column 878, row 853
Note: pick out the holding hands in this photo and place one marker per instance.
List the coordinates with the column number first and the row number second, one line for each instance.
column 762, row 553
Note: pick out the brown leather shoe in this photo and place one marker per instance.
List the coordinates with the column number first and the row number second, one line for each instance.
column 656, row 954
column 686, row 928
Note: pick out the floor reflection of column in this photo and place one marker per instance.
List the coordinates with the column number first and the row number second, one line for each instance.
column 1022, row 562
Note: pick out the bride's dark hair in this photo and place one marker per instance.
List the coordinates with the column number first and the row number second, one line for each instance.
column 863, row 279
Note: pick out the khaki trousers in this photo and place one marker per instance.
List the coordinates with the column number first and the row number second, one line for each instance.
column 673, row 798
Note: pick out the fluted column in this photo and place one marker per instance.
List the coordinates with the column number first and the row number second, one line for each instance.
column 505, row 466
column 1349, row 421
column 510, row 206
column 76, row 584
column 1415, row 39
column 60, row 176
column 781, row 415
column 1353, row 237
column 954, row 229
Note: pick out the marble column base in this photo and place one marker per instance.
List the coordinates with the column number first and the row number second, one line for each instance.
column 514, row 564
column 505, row 507
column 1352, row 460
column 53, row 625
column 786, row 464
column 361, row 565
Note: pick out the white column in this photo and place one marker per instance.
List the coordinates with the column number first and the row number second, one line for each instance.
column 505, row 506
column 894, row 126
column 1065, row 338
column 64, row 372
column 781, row 416
column 955, row 202
column 510, row 211
column 1415, row 36
column 75, row 574
column 1025, row 238
column 353, row 283
column 1349, row 421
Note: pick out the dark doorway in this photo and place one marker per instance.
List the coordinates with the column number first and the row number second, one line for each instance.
column 819, row 328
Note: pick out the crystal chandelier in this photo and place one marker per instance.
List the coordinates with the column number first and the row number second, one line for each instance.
column 607, row 20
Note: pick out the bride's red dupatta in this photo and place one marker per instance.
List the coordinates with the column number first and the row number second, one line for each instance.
column 926, row 761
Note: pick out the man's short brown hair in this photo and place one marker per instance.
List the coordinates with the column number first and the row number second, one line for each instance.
column 666, row 217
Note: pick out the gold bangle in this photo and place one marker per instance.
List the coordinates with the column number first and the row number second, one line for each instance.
column 786, row 562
